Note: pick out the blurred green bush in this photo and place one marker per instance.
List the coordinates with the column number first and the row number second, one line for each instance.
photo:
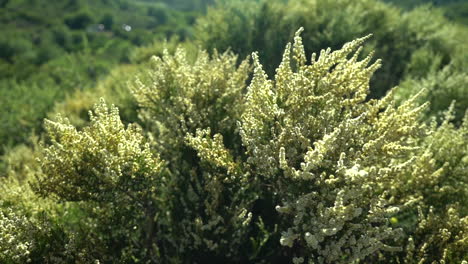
column 79, row 20
column 264, row 26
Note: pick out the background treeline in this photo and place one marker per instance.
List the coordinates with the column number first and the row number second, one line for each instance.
column 65, row 198
column 51, row 48
column 456, row 10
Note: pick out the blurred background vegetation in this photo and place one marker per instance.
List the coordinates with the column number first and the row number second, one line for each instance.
column 49, row 49
column 455, row 10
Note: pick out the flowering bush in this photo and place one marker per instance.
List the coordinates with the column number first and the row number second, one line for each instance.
column 301, row 168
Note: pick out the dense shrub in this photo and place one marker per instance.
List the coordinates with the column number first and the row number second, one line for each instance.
column 116, row 195
column 231, row 79
column 34, row 229
column 301, row 168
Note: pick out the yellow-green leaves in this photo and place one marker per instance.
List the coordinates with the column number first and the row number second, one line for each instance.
column 344, row 173
column 103, row 160
column 212, row 150
column 184, row 95
column 191, row 109
column 15, row 242
column 312, row 135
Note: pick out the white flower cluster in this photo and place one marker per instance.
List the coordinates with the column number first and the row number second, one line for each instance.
column 15, row 246
column 99, row 163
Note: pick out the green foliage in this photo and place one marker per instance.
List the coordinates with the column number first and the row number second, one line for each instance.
column 265, row 26
column 433, row 191
column 455, row 10
column 79, row 21
column 34, row 229
column 448, row 143
column 185, row 97
column 301, row 168
column 143, row 55
column 115, row 88
column 331, row 156
column 23, row 107
column 108, row 21
column 198, row 5
column 442, row 232
column 3, row 3
column 439, row 237
column 119, row 167
column 104, row 141
column 440, row 89
column 208, row 211
column 28, row 102
column 212, row 159
column 14, row 244
column 49, row 50
column 159, row 13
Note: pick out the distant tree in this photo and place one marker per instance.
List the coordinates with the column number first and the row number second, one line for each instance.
column 6, row 50
column 62, row 37
column 74, row 4
column 108, row 21
column 160, row 13
column 3, row 3
column 79, row 20
column 12, row 49
column 124, row 5
column 47, row 52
